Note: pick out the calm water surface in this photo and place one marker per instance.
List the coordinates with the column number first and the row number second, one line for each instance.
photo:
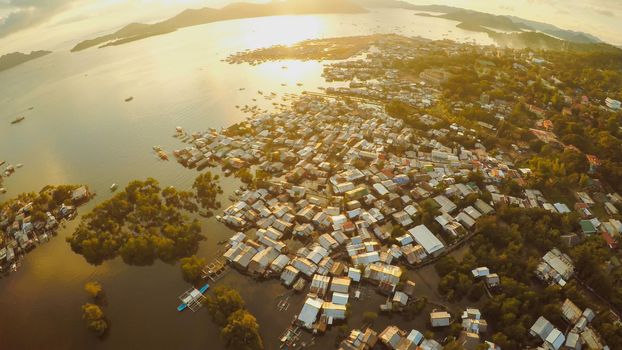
column 82, row 131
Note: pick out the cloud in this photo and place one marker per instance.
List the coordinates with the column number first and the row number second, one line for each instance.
column 604, row 12
column 22, row 14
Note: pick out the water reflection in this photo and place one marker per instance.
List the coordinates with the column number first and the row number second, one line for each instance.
column 82, row 131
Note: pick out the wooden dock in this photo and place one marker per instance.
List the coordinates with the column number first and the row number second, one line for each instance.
column 215, row 269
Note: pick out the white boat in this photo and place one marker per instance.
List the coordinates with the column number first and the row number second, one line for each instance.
column 2, row 190
column 113, row 187
column 19, row 165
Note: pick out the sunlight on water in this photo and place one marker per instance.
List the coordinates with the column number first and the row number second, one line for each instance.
column 286, row 30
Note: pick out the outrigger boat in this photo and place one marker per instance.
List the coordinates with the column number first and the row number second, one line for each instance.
column 17, row 120
column 192, row 299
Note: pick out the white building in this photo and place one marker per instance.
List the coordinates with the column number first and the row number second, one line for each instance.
column 425, row 238
column 309, row 312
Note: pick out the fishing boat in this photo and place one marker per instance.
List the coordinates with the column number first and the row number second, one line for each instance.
column 162, row 155
column 19, row 165
column 113, row 187
column 17, row 120
column 129, row 99
column 191, row 298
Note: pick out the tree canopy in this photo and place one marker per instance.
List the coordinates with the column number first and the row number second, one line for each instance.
column 141, row 224
column 94, row 317
column 239, row 329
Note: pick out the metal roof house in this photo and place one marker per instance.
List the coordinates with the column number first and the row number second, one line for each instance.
column 309, row 312
column 425, row 238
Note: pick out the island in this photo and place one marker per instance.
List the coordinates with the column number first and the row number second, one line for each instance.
column 145, row 222
column 192, row 17
column 14, row 59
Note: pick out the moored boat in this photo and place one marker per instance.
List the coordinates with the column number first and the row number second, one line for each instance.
column 162, row 155
column 191, row 297
column 113, row 187
column 17, row 120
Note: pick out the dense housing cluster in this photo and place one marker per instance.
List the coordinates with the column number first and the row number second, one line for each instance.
column 427, row 148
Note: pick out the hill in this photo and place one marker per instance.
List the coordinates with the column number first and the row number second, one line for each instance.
column 16, row 58
column 480, row 21
column 192, row 17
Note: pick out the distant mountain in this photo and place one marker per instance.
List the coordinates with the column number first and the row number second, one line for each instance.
column 577, row 37
column 191, row 17
column 404, row 5
column 475, row 20
column 16, row 58
column 540, row 41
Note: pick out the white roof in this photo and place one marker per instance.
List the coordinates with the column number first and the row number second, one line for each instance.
column 556, row 338
column 480, row 271
column 309, row 311
column 415, row 337
column 426, row 239
column 340, row 298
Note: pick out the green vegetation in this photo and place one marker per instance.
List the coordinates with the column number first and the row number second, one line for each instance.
column 191, row 268
column 94, row 289
column 207, row 190
column 414, row 309
column 317, row 49
column 49, row 199
column 242, row 332
column 513, row 242
column 239, row 328
column 92, row 313
column 94, row 317
column 141, row 224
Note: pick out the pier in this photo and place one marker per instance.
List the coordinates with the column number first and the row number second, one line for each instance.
column 215, row 269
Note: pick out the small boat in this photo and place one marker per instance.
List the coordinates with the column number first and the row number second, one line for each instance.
column 184, row 305
column 17, row 120
column 162, row 155
column 129, row 99
column 19, row 165
column 113, row 187
column 157, row 148
column 179, row 129
column 2, row 190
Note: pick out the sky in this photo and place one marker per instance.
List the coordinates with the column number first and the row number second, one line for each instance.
column 27, row 25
